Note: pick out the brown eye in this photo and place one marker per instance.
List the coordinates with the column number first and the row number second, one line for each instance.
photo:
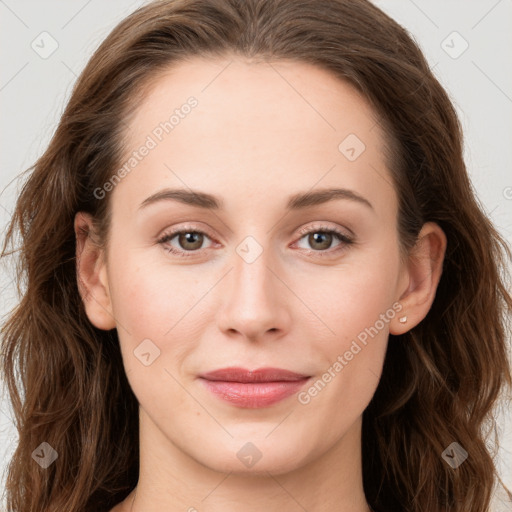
column 320, row 240
column 184, row 242
column 323, row 241
column 190, row 240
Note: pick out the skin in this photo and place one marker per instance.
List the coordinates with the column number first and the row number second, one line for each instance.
column 259, row 134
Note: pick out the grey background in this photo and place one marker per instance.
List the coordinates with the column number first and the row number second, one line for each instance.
column 34, row 90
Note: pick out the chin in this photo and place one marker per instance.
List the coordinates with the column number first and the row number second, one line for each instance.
column 258, row 457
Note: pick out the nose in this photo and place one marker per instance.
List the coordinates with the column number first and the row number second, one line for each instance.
column 255, row 300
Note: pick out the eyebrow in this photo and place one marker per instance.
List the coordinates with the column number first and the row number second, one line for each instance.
column 296, row 202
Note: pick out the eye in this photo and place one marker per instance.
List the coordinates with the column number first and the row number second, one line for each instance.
column 188, row 240
column 321, row 238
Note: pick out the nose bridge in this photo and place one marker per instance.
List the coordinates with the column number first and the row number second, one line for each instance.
column 254, row 303
column 251, row 273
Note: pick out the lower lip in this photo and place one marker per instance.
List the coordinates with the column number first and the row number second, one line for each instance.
column 253, row 395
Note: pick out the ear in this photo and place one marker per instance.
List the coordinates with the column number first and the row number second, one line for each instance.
column 92, row 274
column 420, row 278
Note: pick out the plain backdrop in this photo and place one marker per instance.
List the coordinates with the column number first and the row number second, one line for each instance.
column 45, row 45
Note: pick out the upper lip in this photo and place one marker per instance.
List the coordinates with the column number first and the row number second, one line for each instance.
column 234, row 374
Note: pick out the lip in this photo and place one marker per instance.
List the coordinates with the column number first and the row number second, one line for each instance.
column 235, row 374
column 253, row 388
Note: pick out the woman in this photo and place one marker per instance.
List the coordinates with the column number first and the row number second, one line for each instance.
column 246, row 254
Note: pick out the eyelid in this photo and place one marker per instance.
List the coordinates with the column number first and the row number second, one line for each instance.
column 184, row 227
column 324, row 226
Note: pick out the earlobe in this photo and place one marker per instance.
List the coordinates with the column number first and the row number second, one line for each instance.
column 92, row 276
column 422, row 275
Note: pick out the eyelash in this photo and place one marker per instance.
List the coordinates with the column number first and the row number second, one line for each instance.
column 342, row 237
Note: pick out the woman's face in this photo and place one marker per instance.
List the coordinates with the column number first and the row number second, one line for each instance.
column 262, row 279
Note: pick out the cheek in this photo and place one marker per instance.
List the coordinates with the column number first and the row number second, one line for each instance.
column 148, row 297
column 350, row 298
column 353, row 359
column 153, row 302
column 355, row 306
column 151, row 313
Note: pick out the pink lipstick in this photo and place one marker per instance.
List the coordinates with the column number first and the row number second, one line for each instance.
column 253, row 389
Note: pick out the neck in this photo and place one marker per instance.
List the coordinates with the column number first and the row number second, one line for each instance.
column 171, row 480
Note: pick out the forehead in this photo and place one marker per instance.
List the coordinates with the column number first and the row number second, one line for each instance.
column 266, row 91
column 254, row 124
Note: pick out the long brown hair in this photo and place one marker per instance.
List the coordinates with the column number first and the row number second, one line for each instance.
column 441, row 380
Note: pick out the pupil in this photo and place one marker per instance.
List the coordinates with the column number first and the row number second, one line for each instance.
column 317, row 238
column 191, row 238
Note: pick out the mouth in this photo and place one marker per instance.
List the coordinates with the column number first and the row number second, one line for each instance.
column 253, row 388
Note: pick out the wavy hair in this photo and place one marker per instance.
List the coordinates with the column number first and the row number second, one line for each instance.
column 441, row 380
